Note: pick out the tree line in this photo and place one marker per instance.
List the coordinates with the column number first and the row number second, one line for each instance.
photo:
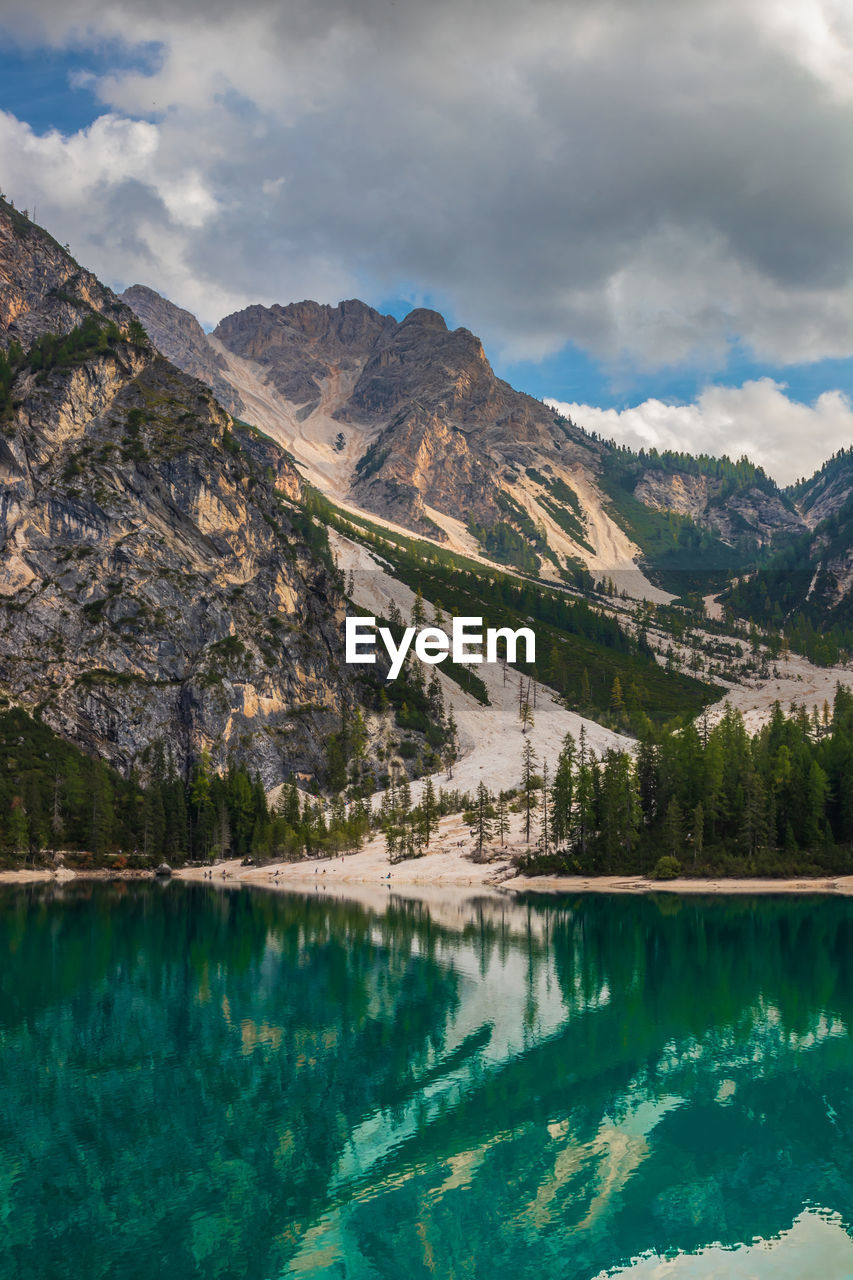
column 701, row 800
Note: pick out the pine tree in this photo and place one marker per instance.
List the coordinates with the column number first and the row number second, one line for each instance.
column 428, row 810
column 562, row 793
column 544, row 831
column 451, row 749
column 584, row 797
column 502, row 822
column 617, row 702
column 18, row 827
column 698, row 832
column 620, row 805
column 528, row 785
column 404, row 798
column 482, row 825
column 435, row 699
column 673, row 832
column 419, row 617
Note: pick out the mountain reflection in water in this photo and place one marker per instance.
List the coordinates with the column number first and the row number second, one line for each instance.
column 246, row 1084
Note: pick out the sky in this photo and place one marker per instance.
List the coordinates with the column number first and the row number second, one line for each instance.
column 643, row 207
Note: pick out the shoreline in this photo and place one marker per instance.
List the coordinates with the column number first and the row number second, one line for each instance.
column 475, row 881
column 418, row 883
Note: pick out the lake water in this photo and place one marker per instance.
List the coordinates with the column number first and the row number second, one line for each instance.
column 202, row 1082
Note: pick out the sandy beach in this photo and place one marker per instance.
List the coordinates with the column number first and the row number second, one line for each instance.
column 442, row 875
column 447, row 871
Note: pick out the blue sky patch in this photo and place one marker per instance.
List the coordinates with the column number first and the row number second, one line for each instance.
column 43, row 86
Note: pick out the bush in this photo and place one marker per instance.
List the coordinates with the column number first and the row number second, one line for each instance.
column 666, row 868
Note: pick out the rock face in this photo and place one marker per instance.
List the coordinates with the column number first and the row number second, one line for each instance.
column 748, row 512
column 814, row 576
column 42, row 288
column 428, row 428
column 828, row 489
column 305, row 343
column 442, row 424
column 182, row 340
column 153, row 582
column 452, row 425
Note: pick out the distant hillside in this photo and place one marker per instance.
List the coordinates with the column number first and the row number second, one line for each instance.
column 697, row 518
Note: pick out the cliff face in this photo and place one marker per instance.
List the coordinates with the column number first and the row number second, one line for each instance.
column 182, row 340
column 153, row 584
column 302, row 345
column 438, row 424
column 748, row 512
column 827, row 491
column 42, row 288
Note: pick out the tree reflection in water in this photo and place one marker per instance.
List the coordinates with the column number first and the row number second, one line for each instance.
column 247, row 1084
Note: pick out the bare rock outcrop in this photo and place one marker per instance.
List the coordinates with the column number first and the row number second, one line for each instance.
column 155, row 584
column 182, row 340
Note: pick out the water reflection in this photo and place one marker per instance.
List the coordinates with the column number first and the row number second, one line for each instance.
column 241, row 1084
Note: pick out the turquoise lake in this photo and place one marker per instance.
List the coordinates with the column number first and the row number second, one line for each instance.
column 198, row 1082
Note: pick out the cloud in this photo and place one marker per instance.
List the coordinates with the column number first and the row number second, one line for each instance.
column 650, row 182
column 757, row 419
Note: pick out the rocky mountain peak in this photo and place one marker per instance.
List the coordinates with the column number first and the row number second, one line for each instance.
column 182, row 340
column 351, row 327
column 424, row 318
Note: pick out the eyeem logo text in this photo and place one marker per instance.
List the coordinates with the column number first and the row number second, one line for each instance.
column 465, row 644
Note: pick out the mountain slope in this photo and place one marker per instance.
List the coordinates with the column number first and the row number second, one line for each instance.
column 182, row 340
column 408, row 421
column 806, row 588
column 156, row 583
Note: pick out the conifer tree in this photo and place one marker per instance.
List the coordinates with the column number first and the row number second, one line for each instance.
column 584, row 797
column 428, row 810
column 528, row 785
column 482, row 824
column 502, row 820
column 545, row 830
column 562, row 793
column 698, row 832
column 418, row 611
column 617, row 702
column 673, row 833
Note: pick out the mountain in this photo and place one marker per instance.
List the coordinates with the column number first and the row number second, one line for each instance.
column 429, row 421
column 157, row 582
column 407, row 420
column 303, row 345
column 182, row 340
column 697, row 519
column 827, row 491
column 806, row 587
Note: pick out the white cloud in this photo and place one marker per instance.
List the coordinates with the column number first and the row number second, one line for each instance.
column 787, row 438
column 648, row 181
column 73, row 169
